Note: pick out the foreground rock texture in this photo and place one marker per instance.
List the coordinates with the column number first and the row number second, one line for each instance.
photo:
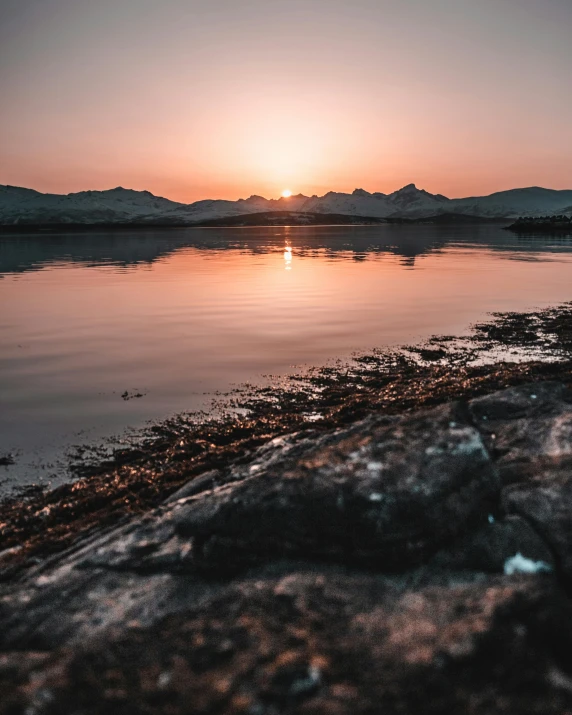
column 419, row 563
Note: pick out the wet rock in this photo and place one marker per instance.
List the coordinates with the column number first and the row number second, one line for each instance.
column 547, row 506
column 385, row 491
column 149, row 544
column 360, row 570
column 79, row 605
column 527, row 429
column 206, row 481
column 489, row 547
column 334, row 642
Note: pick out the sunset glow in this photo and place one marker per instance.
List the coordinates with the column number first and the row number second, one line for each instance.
column 285, row 318
column 246, row 98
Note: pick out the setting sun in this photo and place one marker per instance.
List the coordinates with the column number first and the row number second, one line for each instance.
column 304, row 403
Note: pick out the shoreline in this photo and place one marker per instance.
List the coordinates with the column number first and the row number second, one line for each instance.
column 387, row 535
column 39, row 522
column 276, row 219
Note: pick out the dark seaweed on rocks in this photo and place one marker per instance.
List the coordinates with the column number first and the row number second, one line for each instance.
column 171, row 454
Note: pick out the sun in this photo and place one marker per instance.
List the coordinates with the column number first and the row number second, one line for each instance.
column 286, row 194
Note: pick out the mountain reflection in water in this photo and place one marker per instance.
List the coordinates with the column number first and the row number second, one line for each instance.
column 126, row 248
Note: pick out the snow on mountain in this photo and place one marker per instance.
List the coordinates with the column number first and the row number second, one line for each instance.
column 256, row 203
column 411, row 201
column 292, row 203
column 19, row 205
column 408, row 201
column 206, row 210
column 360, row 203
column 516, row 202
column 115, row 205
column 13, row 196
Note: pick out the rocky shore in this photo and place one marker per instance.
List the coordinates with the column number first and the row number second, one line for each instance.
column 394, row 537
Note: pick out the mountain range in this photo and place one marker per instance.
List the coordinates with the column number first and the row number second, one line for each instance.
column 125, row 206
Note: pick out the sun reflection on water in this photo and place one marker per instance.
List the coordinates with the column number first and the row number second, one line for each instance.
column 288, row 257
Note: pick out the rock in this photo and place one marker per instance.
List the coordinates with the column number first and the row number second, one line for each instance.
column 527, row 429
column 489, row 547
column 206, row 481
column 333, row 642
column 548, row 508
column 385, row 492
column 359, row 570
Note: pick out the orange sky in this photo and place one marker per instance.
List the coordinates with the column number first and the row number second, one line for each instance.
column 196, row 99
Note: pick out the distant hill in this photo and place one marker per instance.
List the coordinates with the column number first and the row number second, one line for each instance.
column 20, row 206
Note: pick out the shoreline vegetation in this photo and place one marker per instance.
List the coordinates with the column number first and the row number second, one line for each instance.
column 510, row 349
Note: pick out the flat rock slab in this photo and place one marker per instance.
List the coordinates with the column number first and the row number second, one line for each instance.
column 386, row 492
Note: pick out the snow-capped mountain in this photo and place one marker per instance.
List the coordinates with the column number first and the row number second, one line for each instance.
column 517, row 202
column 412, row 201
column 116, row 205
column 20, row 205
column 360, row 203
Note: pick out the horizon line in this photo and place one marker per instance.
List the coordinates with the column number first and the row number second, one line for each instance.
column 282, row 198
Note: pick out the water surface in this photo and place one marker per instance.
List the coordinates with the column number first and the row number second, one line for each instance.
column 178, row 315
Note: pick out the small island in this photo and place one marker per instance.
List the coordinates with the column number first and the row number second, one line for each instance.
column 560, row 224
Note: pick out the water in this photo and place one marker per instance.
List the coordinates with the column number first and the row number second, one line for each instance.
column 177, row 315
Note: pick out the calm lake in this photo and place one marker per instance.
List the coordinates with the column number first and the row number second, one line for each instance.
column 177, row 315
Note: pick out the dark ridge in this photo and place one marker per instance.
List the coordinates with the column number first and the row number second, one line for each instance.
column 22, row 227
column 444, row 218
column 556, row 225
column 269, row 218
column 292, row 218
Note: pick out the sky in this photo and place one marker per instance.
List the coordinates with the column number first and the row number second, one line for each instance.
column 194, row 99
